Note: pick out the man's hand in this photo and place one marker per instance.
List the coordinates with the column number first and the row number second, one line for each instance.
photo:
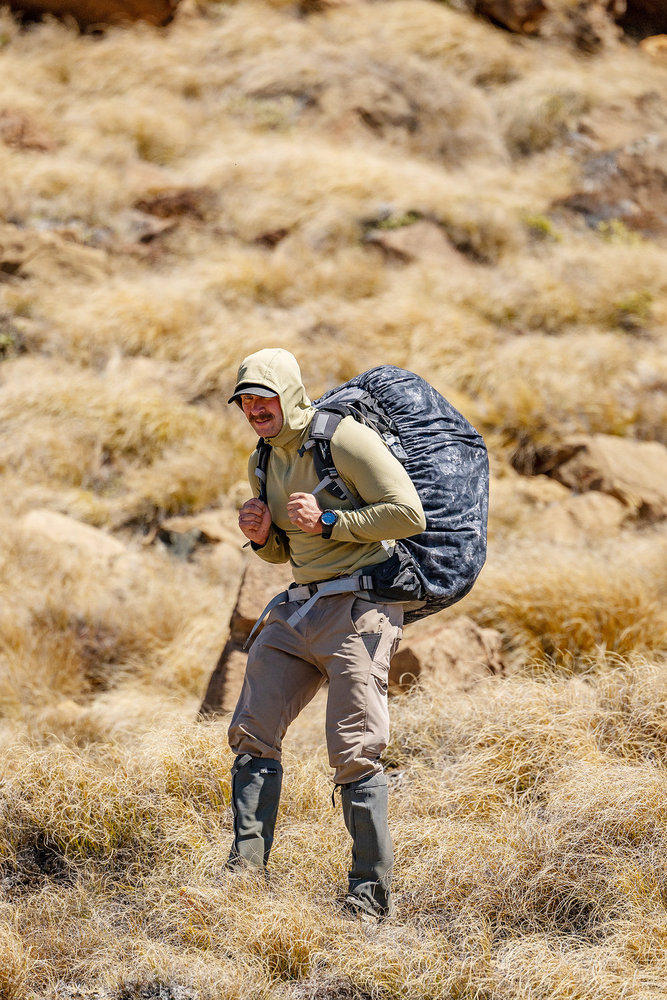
column 305, row 513
column 255, row 521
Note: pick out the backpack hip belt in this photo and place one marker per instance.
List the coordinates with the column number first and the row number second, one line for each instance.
column 309, row 594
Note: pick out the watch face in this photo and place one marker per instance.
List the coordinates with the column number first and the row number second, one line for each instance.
column 328, row 517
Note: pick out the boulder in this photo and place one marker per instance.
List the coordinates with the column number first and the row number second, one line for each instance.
column 634, row 472
column 183, row 535
column 420, row 239
column 457, row 653
column 27, row 253
column 97, row 13
column 655, row 46
column 627, row 185
column 580, row 518
column 63, row 530
column 523, row 16
column 260, row 582
column 21, row 132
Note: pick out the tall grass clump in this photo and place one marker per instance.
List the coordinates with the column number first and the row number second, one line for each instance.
column 564, row 606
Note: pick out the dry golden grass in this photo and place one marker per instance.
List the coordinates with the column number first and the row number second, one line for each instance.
column 184, row 197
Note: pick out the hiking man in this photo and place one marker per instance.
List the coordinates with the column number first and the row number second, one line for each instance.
column 340, row 634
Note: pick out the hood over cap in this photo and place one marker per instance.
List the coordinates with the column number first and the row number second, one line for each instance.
column 277, row 370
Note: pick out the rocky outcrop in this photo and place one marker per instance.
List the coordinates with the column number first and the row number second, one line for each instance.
column 260, row 582
column 580, row 518
column 626, row 185
column 422, row 239
column 97, row 13
column 633, row 472
column 523, row 16
column 60, row 529
column 457, row 653
column 20, row 131
column 26, row 253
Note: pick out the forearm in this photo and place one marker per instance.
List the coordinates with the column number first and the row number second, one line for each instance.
column 379, row 521
column 390, row 506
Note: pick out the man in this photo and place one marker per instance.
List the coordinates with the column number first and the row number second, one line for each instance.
column 341, row 634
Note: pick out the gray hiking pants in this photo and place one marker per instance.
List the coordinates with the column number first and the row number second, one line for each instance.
column 345, row 640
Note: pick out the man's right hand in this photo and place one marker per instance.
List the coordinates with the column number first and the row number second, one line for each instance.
column 255, row 521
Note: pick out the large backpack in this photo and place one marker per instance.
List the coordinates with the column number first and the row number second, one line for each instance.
column 447, row 462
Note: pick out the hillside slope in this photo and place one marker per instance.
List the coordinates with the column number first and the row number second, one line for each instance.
column 373, row 182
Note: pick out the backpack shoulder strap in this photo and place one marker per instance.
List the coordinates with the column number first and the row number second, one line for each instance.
column 263, row 455
column 322, row 429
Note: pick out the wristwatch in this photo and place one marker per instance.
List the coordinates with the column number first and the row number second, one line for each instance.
column 329, row 518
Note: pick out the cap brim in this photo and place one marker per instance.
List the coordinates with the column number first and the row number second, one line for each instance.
column 251, row 390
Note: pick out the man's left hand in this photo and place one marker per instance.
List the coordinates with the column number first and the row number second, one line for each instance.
column 305, row 513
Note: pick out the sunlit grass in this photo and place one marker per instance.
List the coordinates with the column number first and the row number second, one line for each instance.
column 528, row 815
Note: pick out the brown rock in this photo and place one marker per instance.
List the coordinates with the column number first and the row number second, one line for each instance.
column 94, row 13
column 21, row 132
column 183, row 535
column 458, row 653
column 579, row 518
column 523, row 16
column 176, row 201
column 25, row 253
column 63, row 530
column 419, row 240
column 261, row 581
column 655, row 46
column 628, row 184
column 634, row 472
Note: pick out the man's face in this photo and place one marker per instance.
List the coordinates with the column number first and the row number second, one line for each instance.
column 263, row 413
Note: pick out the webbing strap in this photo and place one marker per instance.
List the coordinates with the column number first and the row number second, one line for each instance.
column 273, row 603
column 341, row 585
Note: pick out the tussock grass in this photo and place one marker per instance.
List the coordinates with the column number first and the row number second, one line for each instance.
column 565, row 606
column 528, row 816
column 546, row 841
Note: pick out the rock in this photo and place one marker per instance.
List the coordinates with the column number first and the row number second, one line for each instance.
column 458, row 653
column 261, row 581
column 64, row 530
column 27, row 253
column 579, row 519
column 97, row 13
column 410, row 105
column 589, row 25
column 634, row 472
column 177, row 201
column 523, row 16
column 183, row 535
column 655, row 46
column 628, row 185
column 421, row 239
column 21, row 132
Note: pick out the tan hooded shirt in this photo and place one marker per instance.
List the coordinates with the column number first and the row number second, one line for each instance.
column 390, row 509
